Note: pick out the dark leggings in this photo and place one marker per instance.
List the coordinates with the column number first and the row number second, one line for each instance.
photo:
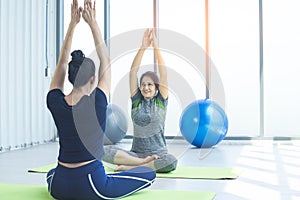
column 91, row 182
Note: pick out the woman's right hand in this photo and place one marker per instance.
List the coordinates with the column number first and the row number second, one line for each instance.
column 89, row 12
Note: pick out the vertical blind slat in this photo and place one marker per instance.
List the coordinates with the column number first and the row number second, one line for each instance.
column 24, row 118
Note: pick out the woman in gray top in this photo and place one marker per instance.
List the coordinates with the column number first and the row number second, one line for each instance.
column 148, row 113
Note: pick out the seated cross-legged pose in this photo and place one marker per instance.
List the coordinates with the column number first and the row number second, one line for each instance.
column 148, row 113
column 80, row 118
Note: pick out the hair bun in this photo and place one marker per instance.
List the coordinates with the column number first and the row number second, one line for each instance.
column 77, row 56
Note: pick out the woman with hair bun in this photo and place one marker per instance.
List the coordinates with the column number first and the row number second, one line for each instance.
column 80, row 118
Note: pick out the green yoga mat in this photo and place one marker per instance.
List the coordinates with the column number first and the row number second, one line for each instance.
column 180, row 172
column 32, row 192
column 26, row 192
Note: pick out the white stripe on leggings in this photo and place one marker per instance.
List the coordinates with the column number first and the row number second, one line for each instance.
column 50, row 184
column 118, row 176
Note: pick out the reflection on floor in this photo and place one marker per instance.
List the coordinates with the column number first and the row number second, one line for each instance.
column 271, row 170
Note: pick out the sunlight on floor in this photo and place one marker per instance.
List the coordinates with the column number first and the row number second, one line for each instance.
column 268, row 169
column 251, row 190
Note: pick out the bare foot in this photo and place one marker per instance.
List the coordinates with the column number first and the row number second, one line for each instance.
column 145, row 161
column 118, row 168
column 122, row 168
column 150, row 158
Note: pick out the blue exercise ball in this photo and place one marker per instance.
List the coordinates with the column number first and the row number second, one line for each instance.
column 116, row 125
column 203, row 123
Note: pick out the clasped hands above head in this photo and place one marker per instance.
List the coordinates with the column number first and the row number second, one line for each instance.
column 88, row 12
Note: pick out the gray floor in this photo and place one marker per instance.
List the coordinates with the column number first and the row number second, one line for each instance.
column 271, row 170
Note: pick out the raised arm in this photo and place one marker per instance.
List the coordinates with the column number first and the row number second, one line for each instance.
column 58, row 78
column 133, row 80
column 104, row 76
column 163, row 77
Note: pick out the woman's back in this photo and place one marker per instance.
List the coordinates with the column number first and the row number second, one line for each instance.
column 80, row 127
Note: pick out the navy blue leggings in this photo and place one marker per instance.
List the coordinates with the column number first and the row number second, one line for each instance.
column 91, row 182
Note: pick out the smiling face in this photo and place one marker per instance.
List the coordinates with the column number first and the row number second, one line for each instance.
column 147, row 87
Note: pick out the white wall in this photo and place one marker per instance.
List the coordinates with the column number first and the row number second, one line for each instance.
column 24, row 118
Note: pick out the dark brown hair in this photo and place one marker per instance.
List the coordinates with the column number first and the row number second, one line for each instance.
column 153, row 77
column 81, row 69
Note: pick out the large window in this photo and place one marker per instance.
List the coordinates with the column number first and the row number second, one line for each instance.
column 182, row 35
column 281, row 67
column 234, row 44
column 127, row 27
column 255, row 105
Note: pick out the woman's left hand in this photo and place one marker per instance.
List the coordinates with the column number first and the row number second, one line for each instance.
column 75, row 12
column 147, row 40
